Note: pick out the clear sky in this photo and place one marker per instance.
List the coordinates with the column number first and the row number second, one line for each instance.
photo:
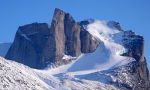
column 132, row 14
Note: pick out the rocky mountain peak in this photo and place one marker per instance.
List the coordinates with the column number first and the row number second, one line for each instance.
column 135, row 46
column 28, row 44
column 115, row 25
column 38, row 46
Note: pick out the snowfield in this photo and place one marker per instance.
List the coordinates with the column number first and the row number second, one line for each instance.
column 15, row 76
column 84, row 73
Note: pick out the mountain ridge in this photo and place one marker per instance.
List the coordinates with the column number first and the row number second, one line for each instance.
column 85, row 47
column 62, row 38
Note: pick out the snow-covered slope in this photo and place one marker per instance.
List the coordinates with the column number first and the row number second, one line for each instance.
column 87, row 71
column 106, row 56
column 15, row 76
column 4, row 48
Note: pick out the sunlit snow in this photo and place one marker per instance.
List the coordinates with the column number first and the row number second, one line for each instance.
column 106, row 56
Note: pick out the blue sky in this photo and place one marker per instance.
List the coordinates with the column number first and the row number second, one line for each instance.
column 132, row 14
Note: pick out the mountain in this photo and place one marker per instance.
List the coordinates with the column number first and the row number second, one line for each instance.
column 85, row 55
column 38, row 46
column 4, row 48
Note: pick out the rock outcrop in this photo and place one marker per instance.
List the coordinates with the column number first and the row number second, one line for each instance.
column 135, row 46
column 29, row 43
column 64, row 38
column 88, row 42
column 38, row 45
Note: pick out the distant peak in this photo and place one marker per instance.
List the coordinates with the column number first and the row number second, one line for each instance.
column 114, row 24
column 58, row 11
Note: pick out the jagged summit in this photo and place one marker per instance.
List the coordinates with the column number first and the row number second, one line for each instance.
column 115, row 25
column 38, row 46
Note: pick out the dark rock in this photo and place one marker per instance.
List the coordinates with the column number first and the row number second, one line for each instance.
column 37, row 45
column 28, row 45
column 115, row 25
column 88, row 42
column 64, row 38
column 58, row 35
column 127, row 77
column 72, row 36
column 135, row 46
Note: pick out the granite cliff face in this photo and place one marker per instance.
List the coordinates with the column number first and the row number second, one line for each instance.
column 38, row 45
column 88, row 42
column 27, row 48
column 135, row 45
column 65, row 34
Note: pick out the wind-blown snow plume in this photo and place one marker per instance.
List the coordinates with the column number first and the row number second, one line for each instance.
column 108, row 54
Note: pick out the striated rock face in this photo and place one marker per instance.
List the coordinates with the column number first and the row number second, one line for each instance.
column 64, row 38
column 135, row 46
column 88, row 42
column 37, row 45
column 72, row 36
column 29, row 43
